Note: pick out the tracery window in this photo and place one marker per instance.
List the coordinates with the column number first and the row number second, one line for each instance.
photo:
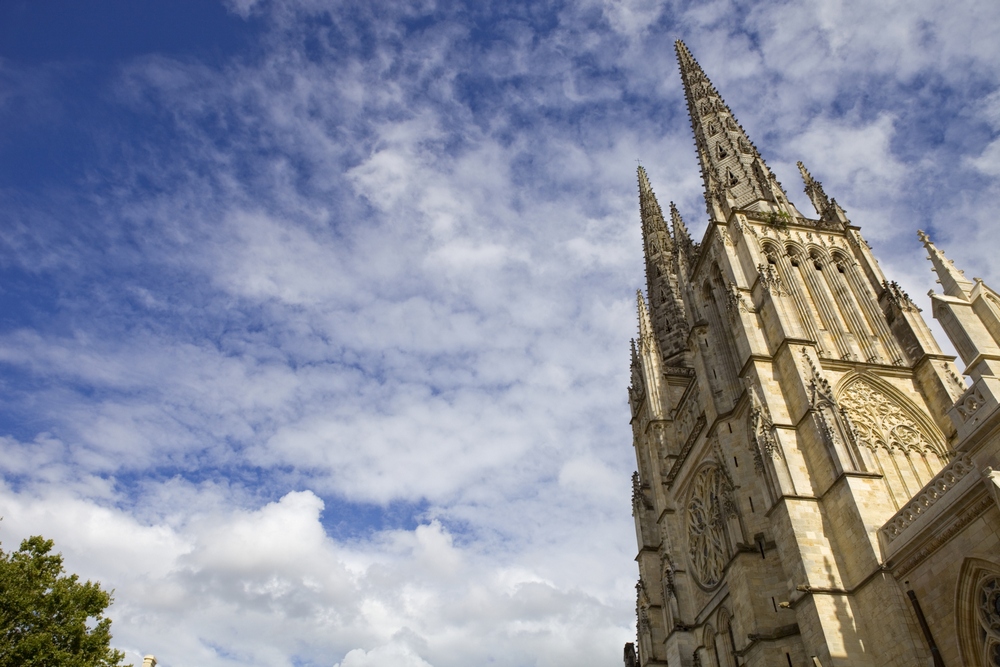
column 708, row 508
column 881, row 422
column 988, row 615
column 890, row 441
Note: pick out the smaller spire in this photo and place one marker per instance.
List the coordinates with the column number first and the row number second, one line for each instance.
column 653, row 226
column 681, row 235
column 953, row 281
column 814, row 190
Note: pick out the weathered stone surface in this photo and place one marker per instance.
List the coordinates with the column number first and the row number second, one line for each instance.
column 811, row 467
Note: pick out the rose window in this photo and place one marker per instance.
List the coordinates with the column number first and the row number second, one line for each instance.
column 708, row 545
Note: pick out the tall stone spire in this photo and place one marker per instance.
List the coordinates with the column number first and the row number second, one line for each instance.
column 735, row 175
column 666, row 305
column 953, row 282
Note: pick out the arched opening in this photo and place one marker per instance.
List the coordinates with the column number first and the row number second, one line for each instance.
column 977, row 610
column 892, row 438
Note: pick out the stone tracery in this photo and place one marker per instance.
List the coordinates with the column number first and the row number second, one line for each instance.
column 881, row 422
column 708, row 508
column 890, row 441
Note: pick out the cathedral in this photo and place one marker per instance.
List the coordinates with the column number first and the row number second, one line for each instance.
column 818, row 483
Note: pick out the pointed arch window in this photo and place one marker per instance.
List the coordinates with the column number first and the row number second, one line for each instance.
column 731, row 124
column 706, row 109
column 890, row 439
column 744, row 145
column 731, row 177
column 977, row 611
column 721, row 150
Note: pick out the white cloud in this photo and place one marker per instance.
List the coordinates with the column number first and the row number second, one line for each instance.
column 388, row 267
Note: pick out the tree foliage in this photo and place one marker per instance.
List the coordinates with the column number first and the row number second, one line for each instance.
column 48, row 618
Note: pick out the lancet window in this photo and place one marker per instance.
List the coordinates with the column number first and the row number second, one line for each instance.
column 819, row 296
column 725, row 641
column 786, row 272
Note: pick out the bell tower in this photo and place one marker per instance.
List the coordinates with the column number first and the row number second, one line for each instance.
column 787, row 400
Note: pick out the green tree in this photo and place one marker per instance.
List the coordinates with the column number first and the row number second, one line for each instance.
column 48, row 618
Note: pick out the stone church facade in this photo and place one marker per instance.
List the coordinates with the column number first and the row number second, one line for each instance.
column 816, row 481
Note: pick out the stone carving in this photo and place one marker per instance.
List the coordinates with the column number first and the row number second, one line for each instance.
column 954, row 378
column 728, row 502
column 639, row 500
column 833, row 421
column 970, row 403
column 658, row 437
column 685, row 450
column 988, row 615
column 770, row 281
column 880, row 422
column 636, row 389
column 735, row 302
column 669, row 587
column 930, row 494
column 762, row 441
column 707, row 512
column 898, row 297
column 642, row 614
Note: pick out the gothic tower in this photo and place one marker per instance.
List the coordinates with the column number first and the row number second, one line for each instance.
column 787, row 402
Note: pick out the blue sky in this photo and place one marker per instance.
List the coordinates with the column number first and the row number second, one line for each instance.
column 314, row 316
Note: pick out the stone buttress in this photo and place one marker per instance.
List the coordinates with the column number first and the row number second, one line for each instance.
column 787, row 400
